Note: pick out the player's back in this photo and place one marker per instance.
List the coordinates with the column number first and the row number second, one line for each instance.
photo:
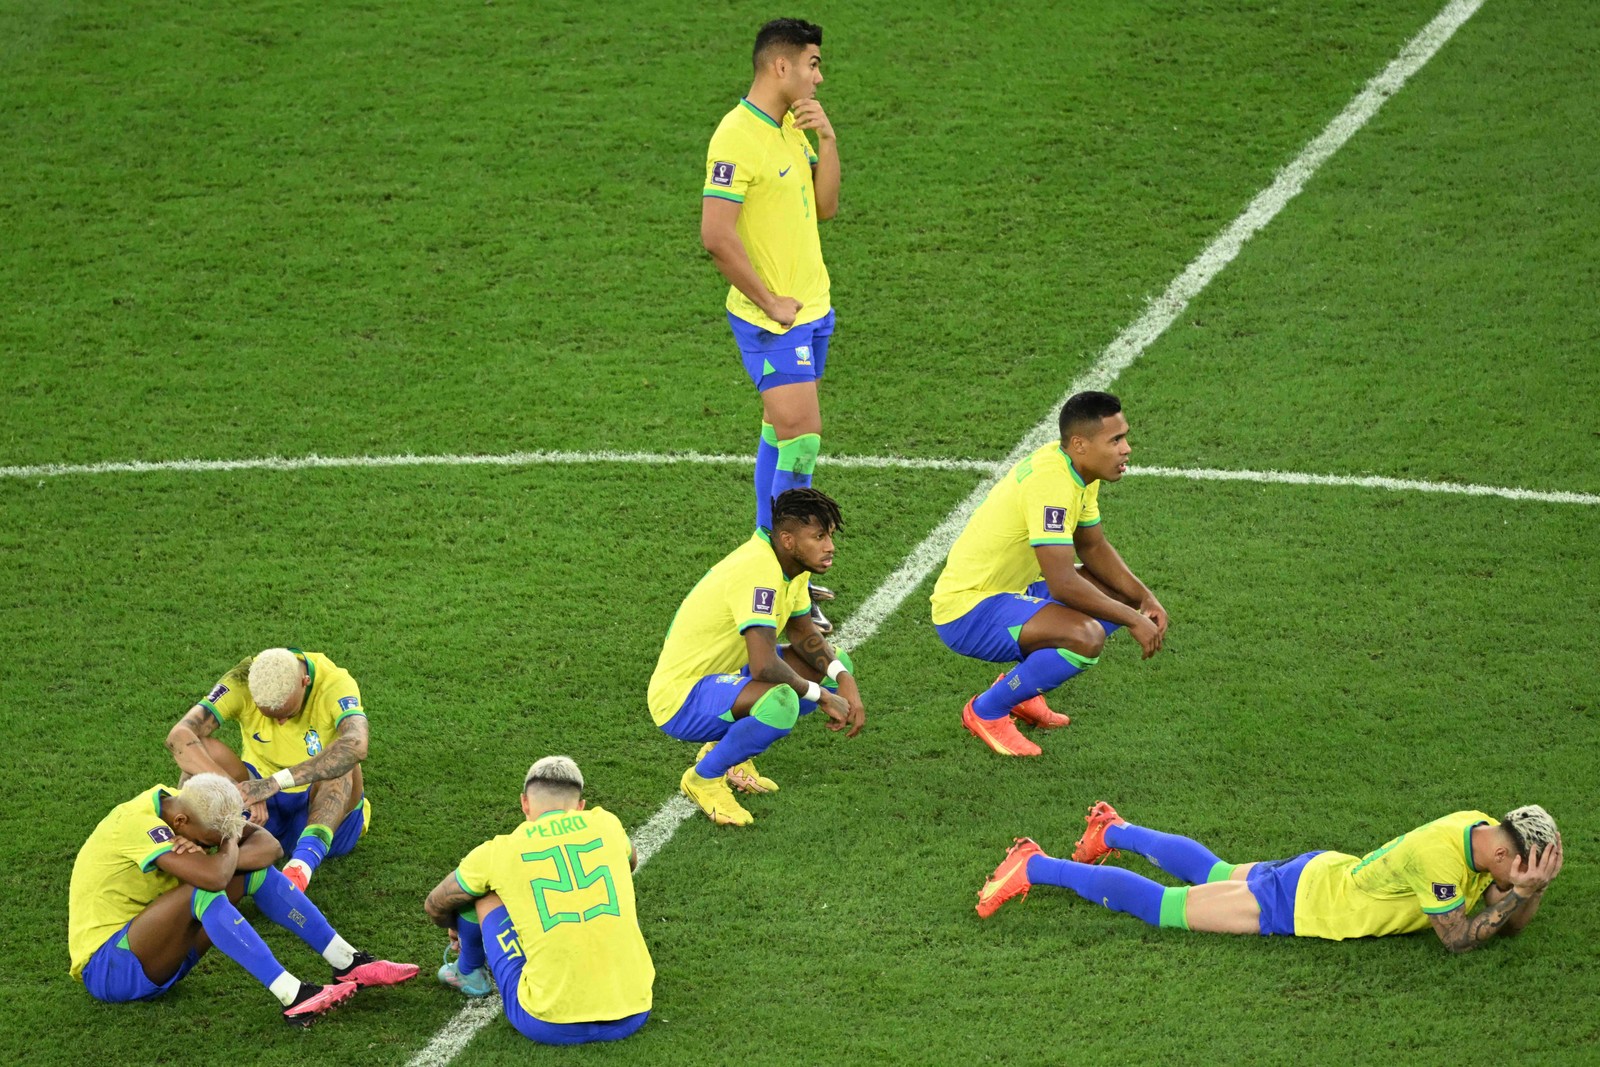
column 115, row 876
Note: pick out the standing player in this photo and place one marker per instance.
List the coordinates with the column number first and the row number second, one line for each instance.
column 1431, row 876
column 1041, row 520
column 722, row 678
column 303, row 736
column 765, row 189
column 149, row 898
column 549, row 910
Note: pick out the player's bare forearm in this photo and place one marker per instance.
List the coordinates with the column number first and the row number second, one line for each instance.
column 1076, row 591
column 734, row 263
column 1463, row 933
column 1101, row 559
column 807, row 641
column 257, row 849
column 187, row 742
column 335, row 761
column 208, row 871
column 1522, row 916
column 446, row 901
column 825, row 177
column 761, row 644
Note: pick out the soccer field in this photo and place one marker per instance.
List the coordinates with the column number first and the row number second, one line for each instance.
column 468, row 235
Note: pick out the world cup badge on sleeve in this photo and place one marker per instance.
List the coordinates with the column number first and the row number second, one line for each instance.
column 722, row 174
column 762, row 602
column 1443, row 891
column 1055, row 520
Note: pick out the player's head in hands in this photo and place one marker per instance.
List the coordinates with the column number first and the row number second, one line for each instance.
column 1094, row 435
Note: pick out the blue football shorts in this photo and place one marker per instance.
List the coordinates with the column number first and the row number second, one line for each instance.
column 115, row 975
column 1274, row 884
column 506, row 960
column 772, row 359
column 707, row 712
column 986, row 632
column 286, row 820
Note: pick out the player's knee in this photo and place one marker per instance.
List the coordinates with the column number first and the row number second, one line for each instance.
column 1088, row 639
column 779, row 708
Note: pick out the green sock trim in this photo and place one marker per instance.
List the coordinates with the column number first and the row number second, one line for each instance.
column 1221, row 872
column 798, row 455
column 1174, row 908
column 470, row 914
column 768, row 434
column 779, row 708
column 203, row 899
column 252, row 884
column 318, row 831
column 1083, row 663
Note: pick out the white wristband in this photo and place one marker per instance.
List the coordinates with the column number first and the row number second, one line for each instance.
column 835, row 669
column 813, row 692
column 284, row 778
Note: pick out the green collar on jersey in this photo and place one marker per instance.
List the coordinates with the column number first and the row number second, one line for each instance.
column 758, row 113
column 1075, row 475
column 311, row 673
column 1466, row 843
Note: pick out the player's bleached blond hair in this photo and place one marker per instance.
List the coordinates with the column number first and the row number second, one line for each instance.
column 274, row 678
column 213, row 801
column 1532, row 830
column 557, row 771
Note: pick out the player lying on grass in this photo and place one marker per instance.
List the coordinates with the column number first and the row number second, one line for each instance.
column 1033, row 579
column 1433, row 875
column 723, row 679
column 304, row 735
column 549, row 910
column 157, row 883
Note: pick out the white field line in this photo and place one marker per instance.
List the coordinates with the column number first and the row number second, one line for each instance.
column 1117, row 357
column 506, row 459
column 1207, row 474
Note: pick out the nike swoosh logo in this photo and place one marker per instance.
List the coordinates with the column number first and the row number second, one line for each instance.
column 258, row 737
column 239, row 920
column 786, row 170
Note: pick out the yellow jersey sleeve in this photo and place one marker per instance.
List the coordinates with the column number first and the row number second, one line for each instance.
column 732, row 162
column 230, row 697
column 751, row 592
column 1052, row 505
column 475, row 874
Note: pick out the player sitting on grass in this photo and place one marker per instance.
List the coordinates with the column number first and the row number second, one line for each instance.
column 991, row 603
column 304, row 735
column 156, row 885
column 549, row 910
column 1433, row 875
column 722, row 677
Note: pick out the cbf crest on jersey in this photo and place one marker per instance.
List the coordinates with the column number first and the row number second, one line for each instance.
column 1443, row 891
column 1055, row 520
column 313, row 743
column 722, row 174
column 762, row 602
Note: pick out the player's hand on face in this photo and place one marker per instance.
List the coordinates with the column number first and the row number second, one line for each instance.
column 1532, row 876
column 808, row 115
column 1147, row 634
column 784, row 310
column 182, row 846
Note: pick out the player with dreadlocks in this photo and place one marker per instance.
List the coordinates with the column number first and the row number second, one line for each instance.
column 1433, row 875
column 722, row 678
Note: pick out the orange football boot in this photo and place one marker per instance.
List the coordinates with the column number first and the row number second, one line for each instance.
column 999, row 734
column 1036, row 712
column 1092, row 847
column 1009, row 879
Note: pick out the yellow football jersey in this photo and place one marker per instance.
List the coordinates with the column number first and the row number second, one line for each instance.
column 271, row 745
column 1392, row 889
column 765, row 165
column 566, row 882
column 1040, row 501
column 746, row 588
column 115, row 876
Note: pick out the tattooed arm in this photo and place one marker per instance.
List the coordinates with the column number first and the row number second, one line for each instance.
column 1507, row 911
column 337, row 760
column 807, row 642
column 187, row 743
column 446, row 901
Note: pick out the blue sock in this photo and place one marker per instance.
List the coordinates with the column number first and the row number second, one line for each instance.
column 766, row 465
column 234, row 937
column 291, row 909
column 1178, row 856
column 312, row 848
column 1110, row 887
column 745, row 739
column 472, row 956
column 1038, row 673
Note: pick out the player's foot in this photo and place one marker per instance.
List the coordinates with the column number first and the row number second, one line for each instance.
column 715, row 799
column 299, row 874
column 820, row 592
column 999, row 734
column 744, row 777
column 1037, row 713
column 315, row 1000
column 1010, row 878
column 821, row 620
column 367, row 970
column 1092, row 847
column 473, row 984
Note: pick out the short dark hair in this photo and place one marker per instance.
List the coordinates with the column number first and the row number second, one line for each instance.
column 802, row 507
column 788, row 34
column 1084, row 408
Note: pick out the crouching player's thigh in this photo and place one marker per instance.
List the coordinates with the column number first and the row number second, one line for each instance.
column 992, row 628
column 503, row 950
column 150, row 953
column 708, row 711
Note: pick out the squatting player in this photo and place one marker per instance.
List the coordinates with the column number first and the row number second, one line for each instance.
column 1433, row 875
column 765, row 189
column 156, row 885
column 1013, row 588
column 723, row 679
column 549, row 910
column 304, row 735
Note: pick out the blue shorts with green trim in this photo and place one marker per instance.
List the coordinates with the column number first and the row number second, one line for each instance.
column 1274, row 884
column 989, row 631
column 506, row 960
column 115, row 975
column 700, row 717
column 287, row 814
column 772, row 359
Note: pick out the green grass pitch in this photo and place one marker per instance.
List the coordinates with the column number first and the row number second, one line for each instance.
column 232, row 231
